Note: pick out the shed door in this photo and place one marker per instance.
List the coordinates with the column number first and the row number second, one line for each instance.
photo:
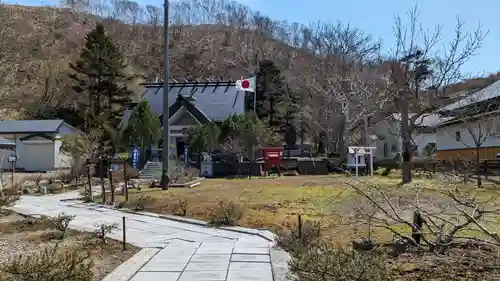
column 38, row 157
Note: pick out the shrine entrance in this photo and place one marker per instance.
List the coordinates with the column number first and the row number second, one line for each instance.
column 356, row 158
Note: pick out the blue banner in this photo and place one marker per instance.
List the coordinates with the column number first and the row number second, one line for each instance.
column 186, row 159
column 135, row 156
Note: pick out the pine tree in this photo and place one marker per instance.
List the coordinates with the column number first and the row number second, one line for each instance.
column 291, row 104
column 271, row 92
column 100, row 80
column 143, row 128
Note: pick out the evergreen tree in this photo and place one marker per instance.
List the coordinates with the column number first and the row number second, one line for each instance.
column 100, row 80
column 143, row 128
column 203, row 138
column 271, row 95
column 291, row 106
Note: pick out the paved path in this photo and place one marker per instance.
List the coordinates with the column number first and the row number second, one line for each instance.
column 173, row 251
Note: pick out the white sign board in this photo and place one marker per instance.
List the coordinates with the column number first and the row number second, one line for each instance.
column 12, row 158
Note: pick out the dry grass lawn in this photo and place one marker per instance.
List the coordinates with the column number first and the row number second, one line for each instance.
column 270, row 203
column 17, row 237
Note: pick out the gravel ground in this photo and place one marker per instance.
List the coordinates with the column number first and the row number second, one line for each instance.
column 17, row 238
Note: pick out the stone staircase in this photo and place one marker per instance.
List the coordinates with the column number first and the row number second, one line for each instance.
column 151, row 171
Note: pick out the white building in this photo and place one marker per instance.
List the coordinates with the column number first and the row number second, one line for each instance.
column 386, row 137
column 458, row 139
column 475, row 122
column 37, row 144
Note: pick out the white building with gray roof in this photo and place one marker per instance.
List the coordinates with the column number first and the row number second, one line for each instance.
column 36, row 143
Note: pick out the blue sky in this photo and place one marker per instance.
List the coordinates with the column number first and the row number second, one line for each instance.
column 376, row 17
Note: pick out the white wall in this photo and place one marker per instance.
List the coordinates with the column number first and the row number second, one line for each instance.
column 389, row 130
column 60, row 159
column 446, row 140
column 422, row 140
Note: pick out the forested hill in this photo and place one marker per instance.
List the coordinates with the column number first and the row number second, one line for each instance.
column 38, row 43
column 208, row 38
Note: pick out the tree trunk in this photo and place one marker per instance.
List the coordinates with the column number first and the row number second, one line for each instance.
column 406, row 141
column 343, row 138
column 478, row 168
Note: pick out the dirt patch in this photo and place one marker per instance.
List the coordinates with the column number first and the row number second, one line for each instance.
column 21, row 236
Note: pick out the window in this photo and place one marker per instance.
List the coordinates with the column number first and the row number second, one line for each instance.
column 457, row 136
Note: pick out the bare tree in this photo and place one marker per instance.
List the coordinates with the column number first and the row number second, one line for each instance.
column 7, row 53
column 447, row 217
column 421, row 70
column 341, row 82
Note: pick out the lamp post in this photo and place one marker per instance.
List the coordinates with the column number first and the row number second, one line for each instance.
column 166, row 130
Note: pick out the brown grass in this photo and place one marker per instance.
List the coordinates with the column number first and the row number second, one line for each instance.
column 19, row 236
column 270, row 203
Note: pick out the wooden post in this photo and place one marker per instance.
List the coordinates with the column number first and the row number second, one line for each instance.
column 110, row 178
column 125, row 185
column 89, row 179
column 124, row 234
column 299, row 217
column 417, row 227
column 485, row 170
column 103, row 189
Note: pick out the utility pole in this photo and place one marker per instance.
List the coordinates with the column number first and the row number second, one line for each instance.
column 165, row 173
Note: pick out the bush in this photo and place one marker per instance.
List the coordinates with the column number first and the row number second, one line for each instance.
column 132, row 173
column 324, row 262
column 292, row 238
column 49, row 265
column 66, row 176
column 55, row 188
column 139, row 204
column 226, row 214
column 180, row 208
column 103, row 230
column 61, row 222
column 10, row 195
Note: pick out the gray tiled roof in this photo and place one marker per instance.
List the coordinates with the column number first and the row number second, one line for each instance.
column 29, row 126
column 216, row 100
column 492, row 91
column 6, row 143
column 425, row 120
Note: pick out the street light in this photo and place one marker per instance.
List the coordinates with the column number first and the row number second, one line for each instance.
column 166, row 131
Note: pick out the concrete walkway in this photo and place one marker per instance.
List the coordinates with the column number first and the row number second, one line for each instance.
column 172, row 250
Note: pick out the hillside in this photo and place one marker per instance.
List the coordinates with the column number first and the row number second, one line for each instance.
column 207, row 39
column 40, row 42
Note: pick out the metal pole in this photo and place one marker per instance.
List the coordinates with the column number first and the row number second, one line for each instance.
column 124, row 234
column 166, row 130
column 255, row 101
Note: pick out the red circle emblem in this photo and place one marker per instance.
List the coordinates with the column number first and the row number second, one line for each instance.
column 245, row 84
